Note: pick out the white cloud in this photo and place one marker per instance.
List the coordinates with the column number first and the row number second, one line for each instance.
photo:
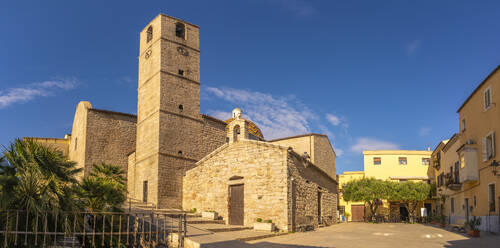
column 424, row 131
column 339, row 152
column 333, row 119
column 31, row 91
column 126, row 80
column 324, row 130
column 221, row 115
column 412, row 47
column 366, row 143
column 276, row 116
column 298, row 7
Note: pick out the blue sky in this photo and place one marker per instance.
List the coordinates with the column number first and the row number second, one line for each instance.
column 370, row 74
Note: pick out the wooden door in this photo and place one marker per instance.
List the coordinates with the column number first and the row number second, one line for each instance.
column 466, row 209
column 358, row 213
column 236, row 204
column 319, row 208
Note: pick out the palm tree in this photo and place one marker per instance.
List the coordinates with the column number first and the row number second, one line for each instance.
column 104, row 189
column 37, row 178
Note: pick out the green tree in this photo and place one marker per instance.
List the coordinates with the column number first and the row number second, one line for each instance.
column 369, row 190
column 104, row 189
column 410, row 193
column 36, row 178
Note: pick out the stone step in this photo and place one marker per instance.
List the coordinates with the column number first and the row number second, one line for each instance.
column 197, row 220
column 231, row 239
column 262, row 236
column 217, row 228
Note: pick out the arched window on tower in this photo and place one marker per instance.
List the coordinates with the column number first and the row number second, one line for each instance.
column 236, row 132
column 180, row 30
column 149, row 36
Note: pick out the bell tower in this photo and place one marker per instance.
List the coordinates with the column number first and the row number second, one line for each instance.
column 169, row 123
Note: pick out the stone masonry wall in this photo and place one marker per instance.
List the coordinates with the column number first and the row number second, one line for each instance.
column 77, row 143
column 317, row 147
column 213, row 135
column 61, row 145
column 110, row 137
column 131, row 173
column 308, row 180
column 324, row 156
column 263, row 168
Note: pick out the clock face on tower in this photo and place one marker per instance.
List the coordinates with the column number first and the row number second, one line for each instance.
column 148, row 54
column 182, row 51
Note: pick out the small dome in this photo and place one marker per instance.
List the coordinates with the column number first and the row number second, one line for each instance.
column 252, row 128
column 236, row 113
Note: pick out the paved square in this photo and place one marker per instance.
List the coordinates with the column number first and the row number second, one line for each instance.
column 364, row 235
column 380, row 235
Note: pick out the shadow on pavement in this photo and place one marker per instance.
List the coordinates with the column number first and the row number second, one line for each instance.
column 485, row 241
column 239, row 244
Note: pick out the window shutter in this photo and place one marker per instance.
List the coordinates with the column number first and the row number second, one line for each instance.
column 493, row 144
column 484, row 150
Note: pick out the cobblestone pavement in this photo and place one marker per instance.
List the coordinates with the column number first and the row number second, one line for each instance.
column 372, row 236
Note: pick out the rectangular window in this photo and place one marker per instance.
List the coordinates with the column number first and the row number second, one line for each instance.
column 462, row 161
column 402, row 161
column 145, row 191
column 438, row 160
column 426, row 161
column 441, row 180
column 377, row 160
column 451, row 174
column 452, row 205
column 463, row 125
column 456, row 173
column 180, row 30
column 489, row 147
column 475, row 202
column 491, row 197
column 487, row 98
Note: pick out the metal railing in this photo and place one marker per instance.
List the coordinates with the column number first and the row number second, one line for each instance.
column 92, row 229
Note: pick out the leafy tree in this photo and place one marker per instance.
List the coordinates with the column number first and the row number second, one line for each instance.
column 369, row 190
column 104, row 189
column 410, row 193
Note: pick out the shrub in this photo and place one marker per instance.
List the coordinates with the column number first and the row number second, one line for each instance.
column 259, row 219
column 269, row 221
column 473, row 223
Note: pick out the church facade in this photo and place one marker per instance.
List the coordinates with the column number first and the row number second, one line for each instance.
column 177, row 158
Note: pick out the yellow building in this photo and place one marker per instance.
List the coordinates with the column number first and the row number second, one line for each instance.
column 465, row 167
column 352, row 211
column 394, row 165
column 399, row 166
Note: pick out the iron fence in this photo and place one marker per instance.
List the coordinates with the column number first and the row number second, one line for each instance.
column 20, row 228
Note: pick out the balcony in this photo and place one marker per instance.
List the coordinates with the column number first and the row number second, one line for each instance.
column 452, row 181
column 468, row 163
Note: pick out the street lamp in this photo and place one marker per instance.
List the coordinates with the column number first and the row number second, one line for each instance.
column 495, row 164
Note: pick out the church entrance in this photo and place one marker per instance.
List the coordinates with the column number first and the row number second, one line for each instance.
column 236, row 205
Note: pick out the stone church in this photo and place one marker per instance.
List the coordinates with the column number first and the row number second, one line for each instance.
column 177, row 158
